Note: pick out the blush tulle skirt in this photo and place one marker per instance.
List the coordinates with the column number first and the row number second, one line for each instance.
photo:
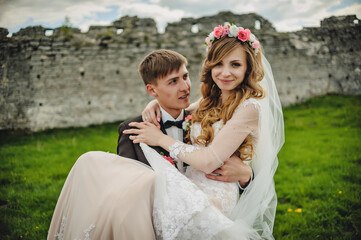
column 105, row 196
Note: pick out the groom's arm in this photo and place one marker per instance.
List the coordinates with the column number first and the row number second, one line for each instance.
column 233, row 170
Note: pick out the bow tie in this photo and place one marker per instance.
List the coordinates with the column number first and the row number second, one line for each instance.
column 177, row 124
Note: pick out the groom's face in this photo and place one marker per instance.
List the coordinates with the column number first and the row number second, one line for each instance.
column 172, row 91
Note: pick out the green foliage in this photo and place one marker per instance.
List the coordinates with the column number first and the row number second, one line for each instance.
column 108, row 34
column 66, row 30
column 319, row 172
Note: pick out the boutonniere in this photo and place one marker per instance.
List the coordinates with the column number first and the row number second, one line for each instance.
column 169, row 159
column 187, row 122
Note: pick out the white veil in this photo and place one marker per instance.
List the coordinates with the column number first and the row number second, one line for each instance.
column 257, row 205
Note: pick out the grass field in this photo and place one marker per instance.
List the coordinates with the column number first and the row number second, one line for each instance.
column 318, row 180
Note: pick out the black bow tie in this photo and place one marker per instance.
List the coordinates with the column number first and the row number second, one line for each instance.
column 177, row 124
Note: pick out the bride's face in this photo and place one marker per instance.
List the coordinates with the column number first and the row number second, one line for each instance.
column 230, row 72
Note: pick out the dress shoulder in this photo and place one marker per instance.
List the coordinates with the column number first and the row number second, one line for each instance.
column 249, row 101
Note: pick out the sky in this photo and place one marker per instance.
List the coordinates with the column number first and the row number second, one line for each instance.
column 286, row 15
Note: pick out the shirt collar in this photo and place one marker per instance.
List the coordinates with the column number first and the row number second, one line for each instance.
column 166, row 116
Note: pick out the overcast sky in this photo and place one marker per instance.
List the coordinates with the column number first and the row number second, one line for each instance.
column 286, row 15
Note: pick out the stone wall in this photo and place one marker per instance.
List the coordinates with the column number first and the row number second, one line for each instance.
column 77, row 79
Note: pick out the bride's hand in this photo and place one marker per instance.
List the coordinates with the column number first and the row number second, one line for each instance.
column 144, row 132
column 152, row 113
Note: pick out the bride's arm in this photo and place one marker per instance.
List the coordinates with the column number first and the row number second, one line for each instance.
column 151, row 113
column 207, row 159
column 225, row 143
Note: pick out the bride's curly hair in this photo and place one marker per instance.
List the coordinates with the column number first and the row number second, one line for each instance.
column 211, row 109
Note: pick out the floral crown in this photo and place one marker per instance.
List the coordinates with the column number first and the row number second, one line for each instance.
column 231, row 30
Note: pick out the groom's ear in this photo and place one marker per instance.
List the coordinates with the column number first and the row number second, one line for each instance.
column 151, row 90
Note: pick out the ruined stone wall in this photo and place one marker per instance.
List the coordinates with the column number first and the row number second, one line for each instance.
column 77, row 79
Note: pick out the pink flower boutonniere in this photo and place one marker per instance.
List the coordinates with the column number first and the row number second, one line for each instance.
column 187, row 122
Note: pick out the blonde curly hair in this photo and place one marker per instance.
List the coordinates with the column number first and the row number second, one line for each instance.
column 211, row 109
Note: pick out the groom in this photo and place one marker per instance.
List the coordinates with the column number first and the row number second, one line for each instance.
column 166, row 78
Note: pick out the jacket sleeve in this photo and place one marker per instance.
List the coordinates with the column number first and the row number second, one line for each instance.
column 125, row 147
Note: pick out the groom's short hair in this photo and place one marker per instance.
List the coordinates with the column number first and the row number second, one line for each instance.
column 160, row 63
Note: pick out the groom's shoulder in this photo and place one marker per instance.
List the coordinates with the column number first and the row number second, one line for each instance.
column 125, row 124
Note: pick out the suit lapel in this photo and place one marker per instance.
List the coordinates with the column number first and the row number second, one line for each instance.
column 162, row 126
column 159, row 149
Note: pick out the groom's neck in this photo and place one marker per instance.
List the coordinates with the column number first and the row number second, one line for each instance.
column 171, row 111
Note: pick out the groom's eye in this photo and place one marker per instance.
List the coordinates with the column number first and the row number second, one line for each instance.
column 173, row 81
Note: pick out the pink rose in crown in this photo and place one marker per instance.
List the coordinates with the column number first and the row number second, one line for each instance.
column 218, row 31
column 189, row 117
column 255, row 45
column 244, row 35
column 225, row 32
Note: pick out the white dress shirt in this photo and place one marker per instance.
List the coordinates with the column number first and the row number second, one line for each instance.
column 174, row 132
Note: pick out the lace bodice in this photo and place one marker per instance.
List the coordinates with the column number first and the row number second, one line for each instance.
column 223, row 195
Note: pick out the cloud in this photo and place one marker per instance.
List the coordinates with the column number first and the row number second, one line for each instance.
column 15, row 13
column 161, row 14
column 286, row 15
column 354, row 9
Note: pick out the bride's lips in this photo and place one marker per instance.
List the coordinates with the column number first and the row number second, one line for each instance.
column 225, row 81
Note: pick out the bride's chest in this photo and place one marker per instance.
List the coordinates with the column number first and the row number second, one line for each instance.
column 196, row 129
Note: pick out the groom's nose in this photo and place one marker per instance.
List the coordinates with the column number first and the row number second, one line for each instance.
column 185, row 85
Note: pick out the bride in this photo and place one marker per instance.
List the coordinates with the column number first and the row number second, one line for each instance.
column 240, row 113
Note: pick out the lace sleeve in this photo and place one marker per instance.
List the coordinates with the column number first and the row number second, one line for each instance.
column 243, row 122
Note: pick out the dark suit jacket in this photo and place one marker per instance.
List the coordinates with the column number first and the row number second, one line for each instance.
column 126, row 148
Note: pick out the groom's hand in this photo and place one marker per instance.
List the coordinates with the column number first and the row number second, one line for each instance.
column 233, row 170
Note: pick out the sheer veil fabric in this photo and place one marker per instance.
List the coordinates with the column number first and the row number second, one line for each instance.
column 182, row 211
column 258, row 202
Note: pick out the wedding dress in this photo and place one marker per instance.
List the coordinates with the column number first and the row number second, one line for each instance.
column 110, row 197
column 192, row 206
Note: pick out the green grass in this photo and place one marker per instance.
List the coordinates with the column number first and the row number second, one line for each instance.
column 319, row 172
column 33, row 170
